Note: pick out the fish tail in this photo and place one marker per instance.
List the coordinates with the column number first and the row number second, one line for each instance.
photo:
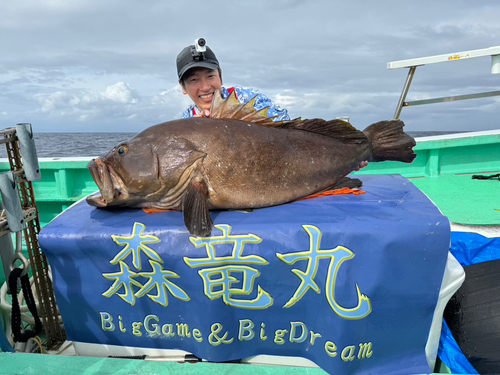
column 390, row 142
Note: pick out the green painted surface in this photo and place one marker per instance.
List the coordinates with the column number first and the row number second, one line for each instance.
column 63, row 183
column 35, row 364
column 457, row 156
column 469, row 139
column 462, row 199
column 443, row 170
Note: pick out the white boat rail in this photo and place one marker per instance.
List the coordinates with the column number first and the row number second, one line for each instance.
column 412, row 64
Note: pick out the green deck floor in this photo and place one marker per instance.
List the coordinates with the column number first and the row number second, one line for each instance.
column 36, row 364
column 462, row 199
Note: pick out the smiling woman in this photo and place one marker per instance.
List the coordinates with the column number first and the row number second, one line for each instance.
column 200, row 76
column 201, row 84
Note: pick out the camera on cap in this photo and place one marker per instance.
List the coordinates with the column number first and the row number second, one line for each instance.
column 199, row 44
column 196, row 55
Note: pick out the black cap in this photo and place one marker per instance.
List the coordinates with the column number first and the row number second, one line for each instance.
column 190, row 58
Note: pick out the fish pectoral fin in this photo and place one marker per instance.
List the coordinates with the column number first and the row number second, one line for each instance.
column 96, row 200
column 347, row 182
column 195, row 207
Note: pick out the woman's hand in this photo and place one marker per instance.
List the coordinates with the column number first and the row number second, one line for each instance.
column 204, row 113
column 362, row 165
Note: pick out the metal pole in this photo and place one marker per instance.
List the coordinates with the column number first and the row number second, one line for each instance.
column 6, row 252
column 27, row 149
column 406, row 88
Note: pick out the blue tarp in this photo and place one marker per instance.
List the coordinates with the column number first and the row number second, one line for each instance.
column 4, row 343
column 473, row 248
column 350, row 282
column 468, row 249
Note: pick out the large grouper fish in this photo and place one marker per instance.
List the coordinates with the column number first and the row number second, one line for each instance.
column 238, row 159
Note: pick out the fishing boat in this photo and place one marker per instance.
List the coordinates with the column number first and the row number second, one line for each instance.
column 442, row 170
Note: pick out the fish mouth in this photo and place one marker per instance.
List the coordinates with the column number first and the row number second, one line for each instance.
column 110, row 185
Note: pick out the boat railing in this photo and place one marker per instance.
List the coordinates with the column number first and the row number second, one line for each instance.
column 412, row 64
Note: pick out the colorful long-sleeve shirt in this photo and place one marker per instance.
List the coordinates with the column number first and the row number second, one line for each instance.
column 245, row 94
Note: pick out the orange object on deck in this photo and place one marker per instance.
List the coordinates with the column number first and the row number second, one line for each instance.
column 323, row 194
column 153, row 210
column 334, row 192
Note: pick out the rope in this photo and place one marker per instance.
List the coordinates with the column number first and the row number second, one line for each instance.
column 66, row 348
column 39, row 342
column 16, row 310
column 485, row 177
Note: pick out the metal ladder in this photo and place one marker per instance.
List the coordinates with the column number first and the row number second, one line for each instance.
column 21, row 216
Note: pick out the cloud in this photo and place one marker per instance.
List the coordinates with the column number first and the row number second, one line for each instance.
column 119, row 92
column 171, row 99
column 53, row 101
column 111, row 64
column 118, row 106
column 117, row 100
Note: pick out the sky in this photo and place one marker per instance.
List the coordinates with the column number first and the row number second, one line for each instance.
column 109, row 65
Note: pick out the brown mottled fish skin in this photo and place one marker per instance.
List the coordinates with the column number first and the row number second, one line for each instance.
column 200, row 164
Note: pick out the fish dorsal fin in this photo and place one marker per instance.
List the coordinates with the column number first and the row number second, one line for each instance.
column 231, row 108
column 224, row 108
column 338, row 129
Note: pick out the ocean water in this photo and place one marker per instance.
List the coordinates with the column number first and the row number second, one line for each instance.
column 95, row 144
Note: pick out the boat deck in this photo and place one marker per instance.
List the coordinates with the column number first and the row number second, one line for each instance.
column 443, row 170
column 33, row 364
column 462, row 199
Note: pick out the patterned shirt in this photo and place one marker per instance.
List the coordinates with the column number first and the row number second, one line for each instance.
column 245, row 94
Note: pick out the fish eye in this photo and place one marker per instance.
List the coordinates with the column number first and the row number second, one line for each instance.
column 122, row 150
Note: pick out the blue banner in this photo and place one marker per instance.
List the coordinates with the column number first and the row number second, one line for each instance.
column 349, row 282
